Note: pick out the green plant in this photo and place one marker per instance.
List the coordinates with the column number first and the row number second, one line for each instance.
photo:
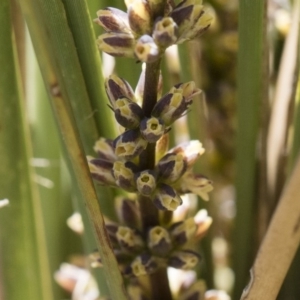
column 137, row 221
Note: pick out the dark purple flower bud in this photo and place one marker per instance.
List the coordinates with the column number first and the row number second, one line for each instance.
column 142, row 265
column 129, row 144
column 128, row 212
column 113, row 19
column 170, row 107
column 129, row 239
column 117, row 44
column 182, row 13
column 152, row 129
column 166, row 198
column 101, row 170
column 159, row 241
column 123, row 173
column 190, row 151
column 145, row 182
column 196, row 184
column 171, row 167
column 146, row 50
column 116, row 88
column 139, row 15
column 188, row 90
column 199, row 25
column 128, row 113
column 104, row 148
column 165, row 32
column 184, row 259
column 183, row 231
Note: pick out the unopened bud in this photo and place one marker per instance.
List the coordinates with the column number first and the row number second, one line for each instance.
column 129, row 144
column 128, row 113
column 128, row 212
column 123, row 173
column 101, row 170
column 117, row 44
column 146, row 50
column 129, row 239
column 190, row 150
column 142, row 265
column 201, row 24
column 117, row 87
column 171, row 167
column 166, row 198
column 183, row 231
column 188, row 90
column 165, row 32
column 182, row 14
column 159, row 241
column 184, row 259
column 113, row 19
column 170, row 107
column 152, row 129
column 196, row 184
column 104, row 148
column 145, row 182
column 139, row 15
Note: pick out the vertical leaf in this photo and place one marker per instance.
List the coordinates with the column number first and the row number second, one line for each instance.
column 63, row 78
column 24, row 258
column 89, row 58
column 250, row 96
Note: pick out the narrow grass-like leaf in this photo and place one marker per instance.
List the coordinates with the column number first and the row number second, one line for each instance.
column 24, row 260
column 279, row 246
column 279, row 121
column 251, row 77
column 80, row 171
column 57, row 202
column 89, row 58
column 63, row 78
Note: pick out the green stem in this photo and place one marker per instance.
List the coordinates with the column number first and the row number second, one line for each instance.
column 159, row 280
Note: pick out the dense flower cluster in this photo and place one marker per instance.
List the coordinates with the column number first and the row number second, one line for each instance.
column 116, row 164
column 140, row 253
column 149, row 27
column 144, row 32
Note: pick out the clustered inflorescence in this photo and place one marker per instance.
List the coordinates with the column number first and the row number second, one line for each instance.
column 150, row 26
column 144, row 32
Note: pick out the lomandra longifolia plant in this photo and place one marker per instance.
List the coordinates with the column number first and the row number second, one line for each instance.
column 148, row 239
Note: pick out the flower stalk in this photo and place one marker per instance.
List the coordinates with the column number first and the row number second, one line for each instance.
column 147, row 158
column 150, row 247
column 159, row 281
